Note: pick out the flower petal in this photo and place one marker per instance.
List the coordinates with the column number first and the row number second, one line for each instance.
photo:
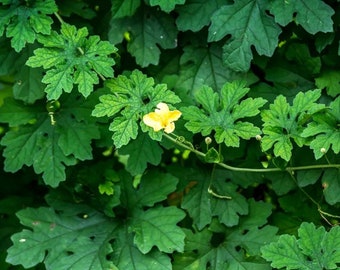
column 162, row 108
column 170, row 127
column 153, row 120
column 173, row 115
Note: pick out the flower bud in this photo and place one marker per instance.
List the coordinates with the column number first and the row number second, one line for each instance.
column 208, row 140
column 323, row 150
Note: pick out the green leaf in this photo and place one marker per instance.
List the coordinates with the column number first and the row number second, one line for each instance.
column 25, row 20
column 148, row 32
column 14, row 113
column 228, row 211
column 131, row 98
column 141, row 151
column 315, row 249
column 143, row 229
column 128, row 257
column 198, row 204
column 202, row 205
column 228, row 248
column 325, row 130
column 284, row 123
column 329, row 80
column 331, row 186
column 72, row 58
column 60, row 239
column 82, row 9
column 48, row 146
column 124, row 8
column 154, row 187
column 249, row 25
column 204, row 66
column 29, row 87
column 196, row 14
column 212, row 156
column 223, row 114
column 158, row 224
column 166, row 5
column 314, row 16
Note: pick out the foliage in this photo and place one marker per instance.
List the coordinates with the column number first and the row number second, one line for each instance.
column 316, row 249
column 182, row 134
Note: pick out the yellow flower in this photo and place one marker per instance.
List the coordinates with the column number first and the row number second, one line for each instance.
column 162, row 118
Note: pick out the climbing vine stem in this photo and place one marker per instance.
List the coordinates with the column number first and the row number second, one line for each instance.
column 186, row 145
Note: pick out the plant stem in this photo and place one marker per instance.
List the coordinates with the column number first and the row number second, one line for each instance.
column 259, row 170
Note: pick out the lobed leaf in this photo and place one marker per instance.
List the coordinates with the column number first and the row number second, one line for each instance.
column 141, row 151
column 223, row 113
column 196, row 14
column 146, row 31
column 131, row 98
column 314, row 16
column 48, row 147
column 249, row 25
column 284, row 123
column 315, row 249
column 72, row 58
column 325, row 130
column 61, row 240
column 166, row 5
column 228, row 248
column 158, row 224
column 25, row 20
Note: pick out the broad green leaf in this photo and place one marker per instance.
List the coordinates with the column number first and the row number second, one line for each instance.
column 29, row 87
column 49, row 159
column 124, row 129
column 143, row 229
column 285, row 253
column 130, row 99
column 82, row 9
column 228, row 210
column 148, row 32
column 72, row 57
column 15, row 113
column 325, row 130
column 159, row 224
column 301, row 56
column 58, row 80
column 196, row 14
column 249, row 25
column 228, row 248
column 308, row 177
column 198, row 204
column 141, row 151
column 154, row 187
column 315, row 249
column 224, row 116
column 331, row 186
column 202, row 205
column 75, row 137
column 124, row 8
column 284, row 122
column 128, row 257
column 25, row 20
column 204, row 66
column 47, row 146
column 314, row 16
column 329, row 80
column 60, row 240
column 166, row 5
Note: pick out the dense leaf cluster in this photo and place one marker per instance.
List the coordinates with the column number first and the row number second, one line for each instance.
column 249, row 179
